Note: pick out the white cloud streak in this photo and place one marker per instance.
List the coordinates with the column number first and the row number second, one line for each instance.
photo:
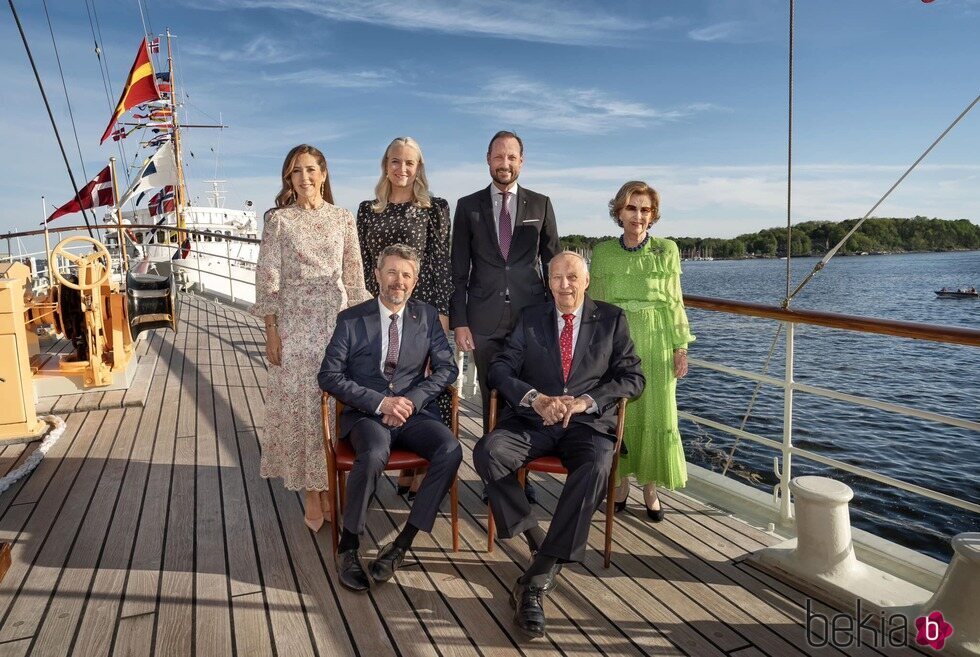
column 523, row 20
column 336, row 79
column 519, row 101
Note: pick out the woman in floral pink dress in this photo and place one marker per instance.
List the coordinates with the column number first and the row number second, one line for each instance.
column 309, row 269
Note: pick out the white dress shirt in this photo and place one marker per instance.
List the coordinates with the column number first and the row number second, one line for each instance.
column 576, row 327
column 497, row 197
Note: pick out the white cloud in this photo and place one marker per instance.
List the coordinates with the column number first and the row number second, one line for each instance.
column 527, row 20
column 718, row 32
column 260, row 50
column 519, row 101
column 336, row 79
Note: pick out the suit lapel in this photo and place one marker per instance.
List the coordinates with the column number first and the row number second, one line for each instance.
column 549, row 331
column 590, row 318
column 372, row 329
column 410, row 340
column 486, row 215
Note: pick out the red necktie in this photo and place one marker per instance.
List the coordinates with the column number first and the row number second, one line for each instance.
column 565, row 342
column 504, row 230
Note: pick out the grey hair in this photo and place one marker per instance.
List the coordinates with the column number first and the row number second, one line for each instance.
column 402, row 251
column 573, row 254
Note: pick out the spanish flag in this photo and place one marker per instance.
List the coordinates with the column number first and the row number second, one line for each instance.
column 140, row 87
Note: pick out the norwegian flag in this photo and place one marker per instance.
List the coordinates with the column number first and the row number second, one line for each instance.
column 162, row 202
column 118, row 134
column 96, row 193
column 154, row 45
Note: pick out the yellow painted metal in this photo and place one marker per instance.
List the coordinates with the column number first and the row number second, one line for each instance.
column 17, row 417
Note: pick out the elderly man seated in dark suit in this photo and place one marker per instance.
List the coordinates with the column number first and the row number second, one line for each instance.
column 566, row 365
column 375, row 364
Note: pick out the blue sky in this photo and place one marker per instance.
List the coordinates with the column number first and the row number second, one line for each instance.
column 689, row 96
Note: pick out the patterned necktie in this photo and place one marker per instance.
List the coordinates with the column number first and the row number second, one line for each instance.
column 504, row 230
column 391, row 360
column 565, row 342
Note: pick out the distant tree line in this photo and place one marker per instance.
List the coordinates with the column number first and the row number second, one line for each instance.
column 815, row 238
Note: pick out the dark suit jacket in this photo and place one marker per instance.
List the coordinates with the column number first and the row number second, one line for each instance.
column 480, row 275
column 351, row 368
column 604, row 365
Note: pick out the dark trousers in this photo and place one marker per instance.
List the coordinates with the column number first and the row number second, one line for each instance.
column 485, row 347
column 585, row 453
column 373, row 441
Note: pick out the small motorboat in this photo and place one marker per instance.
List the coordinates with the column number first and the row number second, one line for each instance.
column 958, row 293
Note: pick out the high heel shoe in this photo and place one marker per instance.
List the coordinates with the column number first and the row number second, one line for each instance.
column 656, row 515
column 313, row 523
column 619, row 506
column 403, row 477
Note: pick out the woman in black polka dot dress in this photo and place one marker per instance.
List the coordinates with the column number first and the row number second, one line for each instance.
column 403, row 212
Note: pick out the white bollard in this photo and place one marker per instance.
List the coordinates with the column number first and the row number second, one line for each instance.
column 958, row 596
column 823, row 526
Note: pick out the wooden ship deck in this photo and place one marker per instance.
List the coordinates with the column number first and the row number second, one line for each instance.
column 148, row 531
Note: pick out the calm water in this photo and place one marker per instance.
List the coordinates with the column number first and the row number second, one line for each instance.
column 928, row 376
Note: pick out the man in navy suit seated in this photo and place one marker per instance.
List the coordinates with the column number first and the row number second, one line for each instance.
column 376, row 365
column 565, row 367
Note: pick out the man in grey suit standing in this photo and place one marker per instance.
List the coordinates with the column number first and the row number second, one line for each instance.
column 503, row 238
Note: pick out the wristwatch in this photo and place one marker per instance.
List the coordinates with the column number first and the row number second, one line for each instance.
column 531, row 396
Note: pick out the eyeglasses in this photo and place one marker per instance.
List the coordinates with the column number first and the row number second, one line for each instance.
column 645, row 211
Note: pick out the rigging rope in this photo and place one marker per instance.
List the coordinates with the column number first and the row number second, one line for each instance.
column 47, row 106
column 789, row 157
column 99, row 51
column 64, row 85
column 830, row 254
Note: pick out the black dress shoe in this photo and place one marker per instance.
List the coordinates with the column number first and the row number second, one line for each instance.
column 658, row 515
column 403, row 490
column 389, row 558
column 550, row 582
column 350, row 572
column 528, row 603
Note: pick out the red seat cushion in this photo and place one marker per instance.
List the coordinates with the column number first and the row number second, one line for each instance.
column 550, row 464
column 400, row 459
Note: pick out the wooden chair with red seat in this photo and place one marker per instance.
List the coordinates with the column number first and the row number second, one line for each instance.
column 552, row 464
column 340, row 460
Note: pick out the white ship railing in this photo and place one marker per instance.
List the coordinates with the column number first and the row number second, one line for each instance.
column 782, row 464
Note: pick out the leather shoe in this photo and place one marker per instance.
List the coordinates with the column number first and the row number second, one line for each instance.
column 389, row 558
column 656, row 516
column 527, row 601
column 350, row 572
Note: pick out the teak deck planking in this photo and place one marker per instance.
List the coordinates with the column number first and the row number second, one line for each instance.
column 148, row 531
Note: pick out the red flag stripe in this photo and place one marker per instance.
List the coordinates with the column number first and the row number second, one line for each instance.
column 140, row 87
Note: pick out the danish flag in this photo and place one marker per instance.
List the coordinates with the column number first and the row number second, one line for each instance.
column 96, row 193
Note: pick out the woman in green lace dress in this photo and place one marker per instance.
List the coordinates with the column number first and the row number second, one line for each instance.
column 641, row 274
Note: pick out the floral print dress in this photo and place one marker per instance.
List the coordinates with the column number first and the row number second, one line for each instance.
column 424, row 229
column 309, row 269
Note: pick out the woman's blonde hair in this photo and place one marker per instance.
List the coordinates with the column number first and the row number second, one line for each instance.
column 287, row 194
column 420, row 191
column 622, row 197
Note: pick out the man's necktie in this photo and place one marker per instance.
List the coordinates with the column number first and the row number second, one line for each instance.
column 391, row 360
column 504, row 230
column 565, row 342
